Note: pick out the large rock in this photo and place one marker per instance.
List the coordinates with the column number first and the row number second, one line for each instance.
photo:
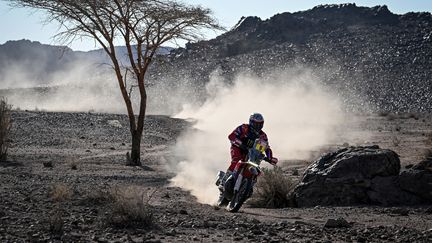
column 418, row 180
column 355, row 163
column 354, row 175
column 386, row 191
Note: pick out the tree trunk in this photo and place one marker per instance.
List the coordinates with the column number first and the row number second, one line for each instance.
column 136, row 149
column 137, row 133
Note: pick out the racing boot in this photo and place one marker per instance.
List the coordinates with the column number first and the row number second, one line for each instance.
column 222, row 177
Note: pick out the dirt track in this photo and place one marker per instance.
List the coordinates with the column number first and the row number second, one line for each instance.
column 97, row 143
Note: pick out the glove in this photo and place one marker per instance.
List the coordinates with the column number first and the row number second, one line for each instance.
column 273, row 161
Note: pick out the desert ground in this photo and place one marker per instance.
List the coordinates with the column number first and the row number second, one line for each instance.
column 64, row 169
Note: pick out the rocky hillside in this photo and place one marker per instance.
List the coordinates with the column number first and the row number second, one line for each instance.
column 373, row 59
column 376, row 60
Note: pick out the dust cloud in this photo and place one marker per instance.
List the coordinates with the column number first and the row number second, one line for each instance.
column 299, row 117
column 82, row 86
column 85, row 86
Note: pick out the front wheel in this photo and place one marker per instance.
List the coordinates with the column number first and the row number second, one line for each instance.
column 240, row 196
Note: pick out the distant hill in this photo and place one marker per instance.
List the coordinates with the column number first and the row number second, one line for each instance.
column 24, row 60
column 25, row 63
column 374, row 59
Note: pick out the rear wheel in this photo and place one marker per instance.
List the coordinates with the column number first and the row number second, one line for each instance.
column 240, row 197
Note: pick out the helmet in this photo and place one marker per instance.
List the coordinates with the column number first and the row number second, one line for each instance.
column 256, row 121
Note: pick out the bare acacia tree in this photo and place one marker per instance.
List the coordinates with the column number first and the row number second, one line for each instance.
column 143, row 26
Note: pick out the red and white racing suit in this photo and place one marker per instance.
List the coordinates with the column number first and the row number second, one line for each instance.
column 239, row 137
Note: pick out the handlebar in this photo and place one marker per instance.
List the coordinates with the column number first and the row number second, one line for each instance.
column 270, row 161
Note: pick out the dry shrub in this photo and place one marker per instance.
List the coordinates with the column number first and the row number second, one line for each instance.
column 98, row 197
column 130, row 208
column 61, row 192
column 272, row 189
column 5, row 126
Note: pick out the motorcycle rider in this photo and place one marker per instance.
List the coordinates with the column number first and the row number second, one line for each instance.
column 243, row 138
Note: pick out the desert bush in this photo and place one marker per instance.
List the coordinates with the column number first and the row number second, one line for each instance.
column 98, row 197
column 130, row 208
column 272, row 189
column 61, row 192
column 5, row 126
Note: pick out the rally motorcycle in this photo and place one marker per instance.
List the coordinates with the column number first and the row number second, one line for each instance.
column 238, row 186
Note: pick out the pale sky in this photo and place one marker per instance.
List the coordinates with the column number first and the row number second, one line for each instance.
column 16, row 24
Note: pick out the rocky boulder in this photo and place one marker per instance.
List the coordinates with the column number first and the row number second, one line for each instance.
column 418, row 180
column 355, row 163
column 386, row 191
column 362, row 175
